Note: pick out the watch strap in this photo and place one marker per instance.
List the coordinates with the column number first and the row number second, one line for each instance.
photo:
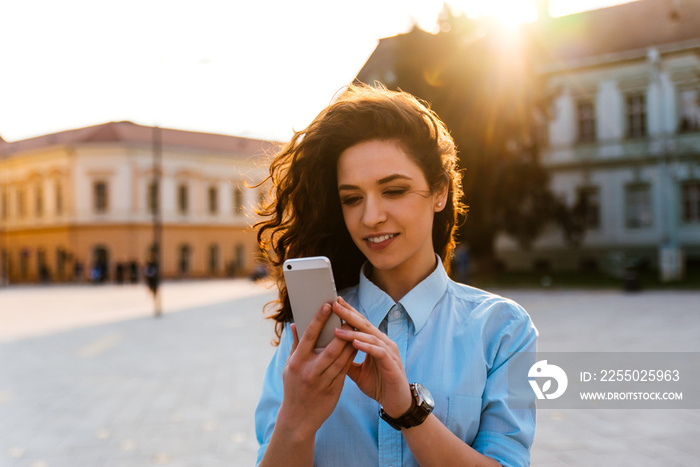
column 415, row 415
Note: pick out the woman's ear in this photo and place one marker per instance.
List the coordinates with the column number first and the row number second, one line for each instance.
column 440, row 199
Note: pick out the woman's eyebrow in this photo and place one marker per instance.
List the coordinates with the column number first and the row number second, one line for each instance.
column 381, row 181
column 393, row 177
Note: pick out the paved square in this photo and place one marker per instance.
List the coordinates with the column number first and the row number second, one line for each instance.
column 88, row 377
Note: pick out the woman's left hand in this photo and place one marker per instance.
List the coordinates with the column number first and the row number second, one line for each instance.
column 381, row 375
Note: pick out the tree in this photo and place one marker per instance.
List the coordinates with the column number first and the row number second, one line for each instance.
column 481, row 82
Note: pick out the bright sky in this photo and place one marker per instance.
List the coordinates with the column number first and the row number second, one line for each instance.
column 258, row 68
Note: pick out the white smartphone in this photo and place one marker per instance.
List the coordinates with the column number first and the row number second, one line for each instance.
column 310, row 284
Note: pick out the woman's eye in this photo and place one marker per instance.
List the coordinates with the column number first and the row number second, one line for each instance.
column 395, row 192
column 350, row 200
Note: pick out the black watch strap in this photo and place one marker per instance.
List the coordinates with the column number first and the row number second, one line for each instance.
column 421, row 406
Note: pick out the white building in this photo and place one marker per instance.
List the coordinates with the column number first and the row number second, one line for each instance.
column 625, row 135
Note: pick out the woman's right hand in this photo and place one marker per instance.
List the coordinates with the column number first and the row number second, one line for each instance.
column 313, row 381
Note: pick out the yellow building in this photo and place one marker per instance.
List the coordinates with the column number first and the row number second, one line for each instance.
column 88, row 199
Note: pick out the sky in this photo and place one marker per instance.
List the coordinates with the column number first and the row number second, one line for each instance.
column 255, row 68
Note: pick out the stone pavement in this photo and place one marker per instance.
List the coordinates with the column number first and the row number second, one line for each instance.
column 89, row 378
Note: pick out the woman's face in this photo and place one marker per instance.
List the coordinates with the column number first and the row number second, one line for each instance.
column 388, row 208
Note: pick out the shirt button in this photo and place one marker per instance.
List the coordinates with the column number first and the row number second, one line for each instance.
column 397, row 314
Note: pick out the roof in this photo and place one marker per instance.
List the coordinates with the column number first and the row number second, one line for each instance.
column 128, row 132
column 624, row 31
column 631, row 28
column 382, row 59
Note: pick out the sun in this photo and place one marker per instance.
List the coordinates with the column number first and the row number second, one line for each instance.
column 507, row 12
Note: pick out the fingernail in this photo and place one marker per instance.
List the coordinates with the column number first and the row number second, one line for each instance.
column 326, row 309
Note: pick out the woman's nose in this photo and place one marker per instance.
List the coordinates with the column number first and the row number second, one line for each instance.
column 374, row 212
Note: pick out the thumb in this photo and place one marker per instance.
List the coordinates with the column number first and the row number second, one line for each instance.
column 355, row 371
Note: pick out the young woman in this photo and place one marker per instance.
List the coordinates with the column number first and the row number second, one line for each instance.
column 372, row 184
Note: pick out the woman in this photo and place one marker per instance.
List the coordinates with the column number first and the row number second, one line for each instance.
column 372, row 184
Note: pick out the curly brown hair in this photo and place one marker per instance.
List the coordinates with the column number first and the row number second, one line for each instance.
column 304, row 215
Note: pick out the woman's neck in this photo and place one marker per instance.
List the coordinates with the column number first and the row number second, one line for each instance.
column 398, row 282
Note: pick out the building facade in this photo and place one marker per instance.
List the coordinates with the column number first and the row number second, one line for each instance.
column 86, row 203
column 623, row 139
column 624, row 136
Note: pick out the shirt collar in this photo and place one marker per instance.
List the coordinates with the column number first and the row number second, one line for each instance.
column 418, row 303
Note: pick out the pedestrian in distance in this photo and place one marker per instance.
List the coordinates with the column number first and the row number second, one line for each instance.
column 418, row 372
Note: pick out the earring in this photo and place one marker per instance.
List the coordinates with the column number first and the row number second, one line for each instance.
column 440, row 204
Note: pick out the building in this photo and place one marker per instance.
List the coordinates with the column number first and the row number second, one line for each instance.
column 624, row 135
column 86, row 201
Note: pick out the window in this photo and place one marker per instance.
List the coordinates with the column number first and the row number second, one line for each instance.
column 183, row 260
column 4, row 266
column 59, row 198
column 638, row 205
column 213, row 200
column 636, row 115
column 4, row 204
column 213, row 258
column 21, row 208
column 237, row 201
column 690, row 199
column 690, row 110
column 39, row 201
column 239, row 257
column 99, row 190
column 183, row 199
column 589, row 202
column 152, row 201
column 585, row 115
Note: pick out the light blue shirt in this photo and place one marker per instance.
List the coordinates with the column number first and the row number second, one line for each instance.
column 454, row 339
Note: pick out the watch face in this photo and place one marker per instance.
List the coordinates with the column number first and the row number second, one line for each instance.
column 425, row 394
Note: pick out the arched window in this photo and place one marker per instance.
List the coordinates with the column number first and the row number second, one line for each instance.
column 213, row 200
column 237, row 201
column 38, row 200
column 213, row 258
column 183, row 259
column 183, row 198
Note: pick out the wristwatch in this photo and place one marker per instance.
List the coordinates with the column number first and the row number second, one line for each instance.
column 421, row 406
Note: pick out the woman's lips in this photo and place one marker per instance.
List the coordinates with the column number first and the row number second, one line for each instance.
column 379, row 242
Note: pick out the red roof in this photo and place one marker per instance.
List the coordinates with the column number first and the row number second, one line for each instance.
column 128, row 132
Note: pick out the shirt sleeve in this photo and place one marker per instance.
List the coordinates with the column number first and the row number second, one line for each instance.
column 272, row 392
column 506, row 433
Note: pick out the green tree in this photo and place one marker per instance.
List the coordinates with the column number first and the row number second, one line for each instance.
column 480, row 81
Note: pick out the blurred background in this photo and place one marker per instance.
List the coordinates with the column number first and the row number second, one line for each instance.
column 136, row 133
column 134, row 141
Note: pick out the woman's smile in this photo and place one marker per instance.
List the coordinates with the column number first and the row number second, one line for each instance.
column 379, row 242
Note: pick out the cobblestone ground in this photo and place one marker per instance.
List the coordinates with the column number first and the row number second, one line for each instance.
column 88, row 377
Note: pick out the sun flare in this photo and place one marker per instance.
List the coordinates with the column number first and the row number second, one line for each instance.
column 507, row 12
